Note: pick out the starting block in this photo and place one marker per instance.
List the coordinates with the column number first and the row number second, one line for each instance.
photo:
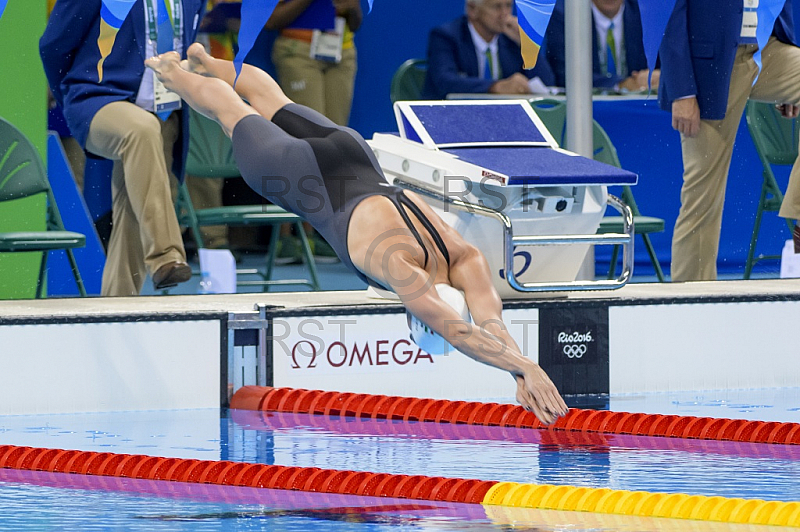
column 492, row 171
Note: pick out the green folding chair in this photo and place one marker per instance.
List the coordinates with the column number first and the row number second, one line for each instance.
column 776, row 141
column 554, row 116
column 211, row 156
column 22, row 175
column 408, row 80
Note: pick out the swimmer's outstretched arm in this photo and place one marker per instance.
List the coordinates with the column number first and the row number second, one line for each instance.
column 471, row 274
column 490, row 344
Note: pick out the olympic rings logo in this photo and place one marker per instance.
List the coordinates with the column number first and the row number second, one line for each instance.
column 574, row 350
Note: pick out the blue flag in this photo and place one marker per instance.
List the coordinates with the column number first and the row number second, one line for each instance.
column 767, row 12
column 255, row 14
column 655, row 15
column 3, row 7
column 533, row 17
column 112, row 15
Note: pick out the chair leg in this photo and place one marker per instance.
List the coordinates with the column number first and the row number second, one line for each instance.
column 185, row 202
column 748, row 265
column 613, row 265
column 653, row 259
column 272, row 251
column 307, row 255
column 42, row 272
column 76, row 273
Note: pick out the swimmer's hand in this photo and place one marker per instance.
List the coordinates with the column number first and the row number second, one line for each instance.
column 537, row 393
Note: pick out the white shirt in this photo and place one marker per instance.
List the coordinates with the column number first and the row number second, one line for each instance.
column 480, row 51
column 144, row 98
column 601, row 24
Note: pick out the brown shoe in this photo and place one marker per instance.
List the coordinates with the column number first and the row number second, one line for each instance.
column 796, row 237
column 171, row 274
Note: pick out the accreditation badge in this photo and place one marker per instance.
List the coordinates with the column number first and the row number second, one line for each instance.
column 164, row 100
column 327, row 45
column 750, row 19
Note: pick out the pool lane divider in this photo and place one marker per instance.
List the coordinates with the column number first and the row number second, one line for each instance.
column 359, row 405
column 419, row 487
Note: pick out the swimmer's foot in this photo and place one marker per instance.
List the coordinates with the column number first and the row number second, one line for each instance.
column 164, row 66
column 197, row 60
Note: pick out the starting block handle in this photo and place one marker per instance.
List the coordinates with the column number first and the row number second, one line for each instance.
column 624, row 239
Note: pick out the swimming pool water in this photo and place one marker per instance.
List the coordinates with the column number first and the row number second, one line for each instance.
column 43, row 501
column 39, row 501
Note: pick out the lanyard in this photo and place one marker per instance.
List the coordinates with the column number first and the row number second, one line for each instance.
column 152, row 22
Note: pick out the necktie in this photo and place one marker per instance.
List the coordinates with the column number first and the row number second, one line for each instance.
column 488, row 73
column 611, row 52
column 166, row 39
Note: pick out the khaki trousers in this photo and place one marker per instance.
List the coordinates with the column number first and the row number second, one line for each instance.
column 325, row 87
column 707, row 159
column 145, row 233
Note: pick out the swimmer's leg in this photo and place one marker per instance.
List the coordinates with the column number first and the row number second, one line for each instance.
column 254, row 85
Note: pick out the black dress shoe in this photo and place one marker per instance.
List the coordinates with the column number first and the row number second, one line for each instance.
column 796, row 237
column 171, row 274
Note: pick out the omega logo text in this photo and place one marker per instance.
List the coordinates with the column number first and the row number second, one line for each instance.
column 305, row 354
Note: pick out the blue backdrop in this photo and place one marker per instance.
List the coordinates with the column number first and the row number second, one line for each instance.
column 397, row 31
column 393, row 32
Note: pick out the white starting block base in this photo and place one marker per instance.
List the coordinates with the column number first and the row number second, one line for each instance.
column 550, row 264
column 493, row 171
column 85, row 355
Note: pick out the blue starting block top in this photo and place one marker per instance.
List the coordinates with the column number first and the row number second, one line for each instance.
column 504, row 137
column 472, row 123
column 482, row 124
column 544, row 166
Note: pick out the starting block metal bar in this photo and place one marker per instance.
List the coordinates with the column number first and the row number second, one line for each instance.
column 625, row 239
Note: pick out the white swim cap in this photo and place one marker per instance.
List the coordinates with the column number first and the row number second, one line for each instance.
column 425, row 337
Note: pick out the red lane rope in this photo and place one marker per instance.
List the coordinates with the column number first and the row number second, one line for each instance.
column 300, row 401
column 243, row 474
column 261, row 420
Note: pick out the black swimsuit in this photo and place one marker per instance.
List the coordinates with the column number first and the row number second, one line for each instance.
column 320, row 171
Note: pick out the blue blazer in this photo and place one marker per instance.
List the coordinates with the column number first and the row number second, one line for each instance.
column 453, row 65
column 555, row 46
column 70, row 55
column 699, row 48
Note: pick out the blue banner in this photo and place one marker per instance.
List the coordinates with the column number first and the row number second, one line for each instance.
column 533, row 16
column 112, row 15
column 655, row 15
column 767, row 12
column 113, row 12
column 255, row 14
column 2, row 7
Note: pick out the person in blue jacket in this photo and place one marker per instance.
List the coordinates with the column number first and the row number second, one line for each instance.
column 99, row 78
column 618, row 60
column 708, row 73
column 480, row 53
